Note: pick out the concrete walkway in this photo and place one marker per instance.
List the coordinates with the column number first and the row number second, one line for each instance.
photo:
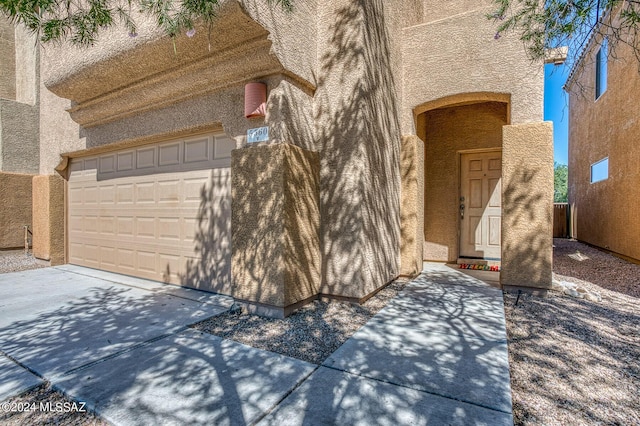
column 435, row 355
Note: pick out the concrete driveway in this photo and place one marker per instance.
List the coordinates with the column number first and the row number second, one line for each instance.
column 121, row 344
column 55, row 320
column 435, row 355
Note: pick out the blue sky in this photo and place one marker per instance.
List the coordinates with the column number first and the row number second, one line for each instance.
column 556, row 108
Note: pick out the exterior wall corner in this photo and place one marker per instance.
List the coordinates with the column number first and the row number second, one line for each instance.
column 275, row 227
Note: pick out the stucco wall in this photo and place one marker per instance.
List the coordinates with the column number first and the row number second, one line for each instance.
column 275, row 221
column 527, row 205
column 131, row 89
column 19, row 130
column 58, row 133
column 15, row 208
column 454, row 52
column 606, row 213
column 19, row 137
column 27, row 72
column 289, row 117
column 448, row 131
column 412, row 205
column 359, row 136
column 8, row 64
column 341, row 75
column 48, row 219
column 121, row 76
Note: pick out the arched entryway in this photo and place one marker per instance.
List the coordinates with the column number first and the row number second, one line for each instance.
column 462, row 137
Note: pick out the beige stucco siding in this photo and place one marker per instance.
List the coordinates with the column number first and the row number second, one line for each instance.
column 15, row 209
column 8, row 63
column 458, row 54
column 130, row 73
column 19, row 108
column 527, row 205
column 27, row 72
column 412, row 205
column 358, row 129
column 276, row 257
column 59, row 134
column 18, row 137
column 606, row 213
column 49, row 219
column 344, row 79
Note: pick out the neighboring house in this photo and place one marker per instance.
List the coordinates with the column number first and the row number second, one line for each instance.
column 604, row 159
column 395, row 134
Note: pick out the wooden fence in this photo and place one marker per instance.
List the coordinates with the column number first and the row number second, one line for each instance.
column 560, row 220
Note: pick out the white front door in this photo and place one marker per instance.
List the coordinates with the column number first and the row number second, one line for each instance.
column 480, row 205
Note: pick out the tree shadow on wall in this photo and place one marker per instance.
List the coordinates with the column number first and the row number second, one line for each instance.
column 531, row 250
column 355, row 129
column 359, row 139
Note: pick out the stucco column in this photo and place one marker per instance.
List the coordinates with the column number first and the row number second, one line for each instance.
column 527, row 205
column 411, row 205
column 275, row 227
column 48, row 218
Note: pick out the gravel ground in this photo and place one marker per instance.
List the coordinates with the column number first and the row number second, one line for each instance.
column 311, row 334
column 575, row 362
column 16, row 260
column 47, row 416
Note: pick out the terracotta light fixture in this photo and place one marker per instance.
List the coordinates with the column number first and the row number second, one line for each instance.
column 255, row 100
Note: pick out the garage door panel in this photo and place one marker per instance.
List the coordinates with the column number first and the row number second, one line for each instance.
column 172, row 227
column 146, row 261
column 107, row 225
column 145, row 227
column 90, row 224
column 168, row 192
column 124, row 225
column 75, row 223
column 194, row 189
column 91, row 253
column 107, row 256
column 170, row 266
column 169, row 229
column 90, row 195
column 124, row 193
column 75, row 195
column 125, row 258
column 145, row 193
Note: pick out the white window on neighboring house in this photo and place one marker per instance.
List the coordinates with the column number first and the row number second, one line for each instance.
column 601, row 69
column 600, row 170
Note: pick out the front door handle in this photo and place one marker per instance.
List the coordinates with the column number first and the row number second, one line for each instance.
column 461, row 211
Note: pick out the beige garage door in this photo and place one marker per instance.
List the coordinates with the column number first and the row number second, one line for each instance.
column 159, row 211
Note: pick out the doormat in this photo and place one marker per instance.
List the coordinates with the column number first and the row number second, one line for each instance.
column 480, row 267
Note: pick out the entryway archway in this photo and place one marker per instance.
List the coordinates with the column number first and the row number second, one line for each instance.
column 462, row 136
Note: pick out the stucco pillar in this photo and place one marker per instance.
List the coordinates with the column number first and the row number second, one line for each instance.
column 275, row 227
column 527, row 205
column 411, row 205
column 48, row 218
